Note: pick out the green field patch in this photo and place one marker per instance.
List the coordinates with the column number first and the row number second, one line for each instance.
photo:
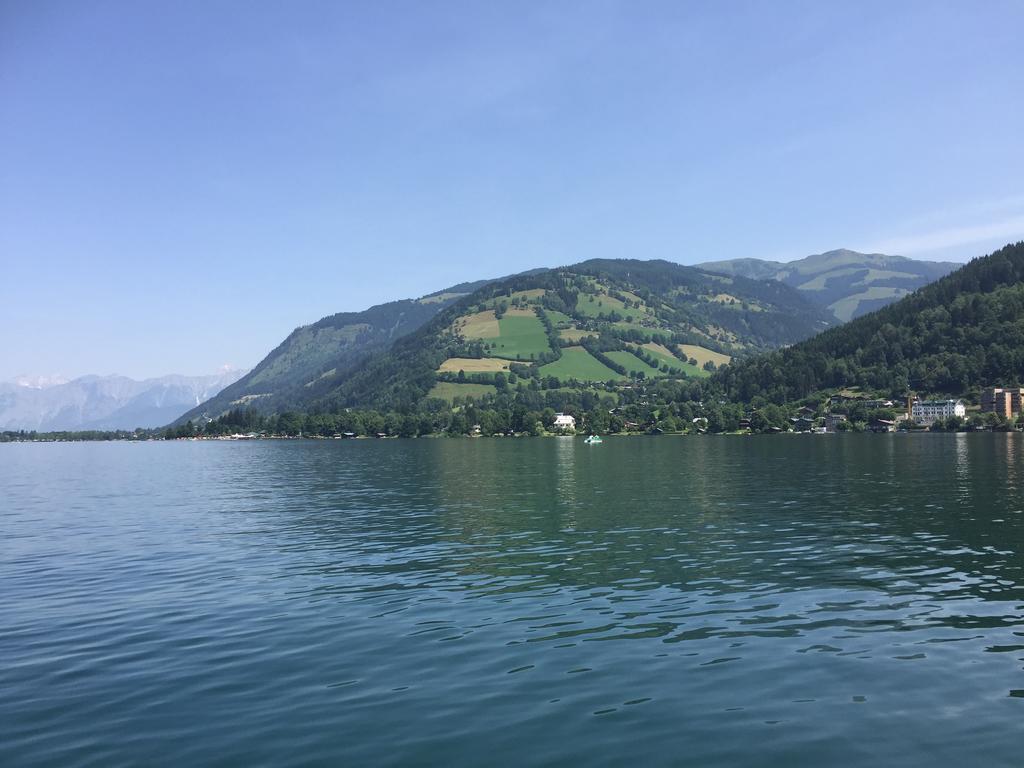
column 577, row 363
column 665, row 357
column 594, row 305
column 520, row 337
column 590, row 305
column 448, row 390
column 660, row 349
column 633, row 364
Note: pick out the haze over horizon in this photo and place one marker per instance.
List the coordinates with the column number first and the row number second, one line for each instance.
column 183, row 185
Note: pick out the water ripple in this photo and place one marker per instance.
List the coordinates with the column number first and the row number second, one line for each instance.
column 704, row 601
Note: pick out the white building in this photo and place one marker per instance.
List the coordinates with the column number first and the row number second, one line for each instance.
column 564, row 421
column 930, row 411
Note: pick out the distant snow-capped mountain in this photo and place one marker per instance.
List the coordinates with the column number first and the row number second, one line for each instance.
column 40, row 382
column 49, row 403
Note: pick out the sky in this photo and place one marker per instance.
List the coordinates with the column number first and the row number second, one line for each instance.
column 182, row 184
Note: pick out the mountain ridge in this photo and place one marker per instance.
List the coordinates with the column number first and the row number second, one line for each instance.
column 336, row 361
column 629, row 302
column 958, row 334
column 849, row 283
column 328, row 347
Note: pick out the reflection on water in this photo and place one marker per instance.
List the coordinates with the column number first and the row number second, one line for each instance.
column 565, row 480
column 714, row 601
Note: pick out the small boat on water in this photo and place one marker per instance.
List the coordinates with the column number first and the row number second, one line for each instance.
column 593, row 439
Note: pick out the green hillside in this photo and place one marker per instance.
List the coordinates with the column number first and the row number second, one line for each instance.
column 849, row 284
column 954, row 336
column 600, row 321
column 696, row 353
column 313, row 356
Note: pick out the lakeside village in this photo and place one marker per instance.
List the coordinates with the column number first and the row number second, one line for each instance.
column 998, row 409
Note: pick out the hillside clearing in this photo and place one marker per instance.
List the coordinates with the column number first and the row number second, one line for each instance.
column 482, row 325
column 558, row 318
column 665, row 357
column 633, row 364
column 473, row 365
column 577, row 363
column 703, row 354
column 521, row 337
column 574, row 334
column 846, row 308
column 447, row 390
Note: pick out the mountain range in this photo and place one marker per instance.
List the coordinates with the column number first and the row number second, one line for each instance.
column 849, row 284
column 402, row 351
column 48, row 404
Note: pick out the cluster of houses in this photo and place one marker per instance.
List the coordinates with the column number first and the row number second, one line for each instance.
column 922, row 412
column 1007, row 402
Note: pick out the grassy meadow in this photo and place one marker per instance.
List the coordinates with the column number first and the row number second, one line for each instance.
column 446, row 390
column 633, row 364
column 473, row 365
column 520, row 336
column 577, row 363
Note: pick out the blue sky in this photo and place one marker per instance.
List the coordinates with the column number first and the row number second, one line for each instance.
column 182, row 184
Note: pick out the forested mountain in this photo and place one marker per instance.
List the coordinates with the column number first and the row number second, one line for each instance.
column 328, row 348
column 848, row 283
column 958, row 334
column 595, row 322
column 105, row 402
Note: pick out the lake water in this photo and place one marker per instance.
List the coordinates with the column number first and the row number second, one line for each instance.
column 763, row 601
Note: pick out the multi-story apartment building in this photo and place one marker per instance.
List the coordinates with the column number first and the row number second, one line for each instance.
column 1007, row 402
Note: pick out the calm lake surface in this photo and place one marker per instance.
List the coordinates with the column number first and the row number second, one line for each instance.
column 766, row 601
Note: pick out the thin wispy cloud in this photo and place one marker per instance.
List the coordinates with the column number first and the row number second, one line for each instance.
column 940, row 235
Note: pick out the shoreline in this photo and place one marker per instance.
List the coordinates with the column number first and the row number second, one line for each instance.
column 443, row 436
